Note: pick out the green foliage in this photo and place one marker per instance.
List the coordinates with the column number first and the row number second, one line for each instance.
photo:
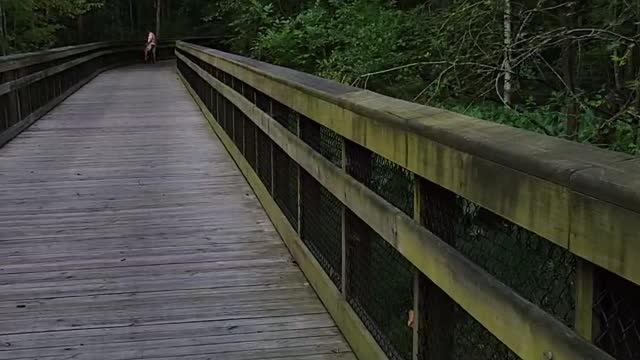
column 452, row 54
column 33, row 24
column 565, row 61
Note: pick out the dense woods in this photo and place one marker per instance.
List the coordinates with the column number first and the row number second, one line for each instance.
column 563, row 68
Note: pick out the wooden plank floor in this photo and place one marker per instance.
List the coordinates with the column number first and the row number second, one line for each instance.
column 126, row 232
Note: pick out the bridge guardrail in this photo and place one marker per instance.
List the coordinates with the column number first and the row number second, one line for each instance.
column 491, row 242
column 33, row 83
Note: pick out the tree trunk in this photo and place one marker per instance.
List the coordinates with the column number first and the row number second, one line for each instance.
column 569, row 70
column 131, row 22
column 3, row 37
column 158, row 12
column 508, row 70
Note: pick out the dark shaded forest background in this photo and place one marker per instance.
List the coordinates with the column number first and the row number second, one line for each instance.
column 564, row 68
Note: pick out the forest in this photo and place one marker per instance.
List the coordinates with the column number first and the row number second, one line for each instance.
column 563, row 68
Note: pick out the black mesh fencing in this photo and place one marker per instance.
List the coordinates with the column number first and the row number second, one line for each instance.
column 264, row 160
column 238, row 129
column 446, row 331
column 250, row 132
column 378, row 279
column 285, row 184
column 321, row 226
column 389, row 180
column 379, row 287
column 617, row 315
column 322, row 139
column 535, row 268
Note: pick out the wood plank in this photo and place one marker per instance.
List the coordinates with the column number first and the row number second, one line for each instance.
column 127, row 231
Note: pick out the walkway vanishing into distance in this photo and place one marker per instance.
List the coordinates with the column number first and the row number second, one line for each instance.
column 129, row 233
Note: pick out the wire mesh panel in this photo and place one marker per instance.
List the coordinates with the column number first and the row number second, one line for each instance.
column 264, row 144
column 263, row 102
column 284, row 115
column 535, row 268
column 387, row 179
column 285, row 184
column 321, row 227
column 228, row 121
column 5, row 120
column 250, row 143
column 446, row 331
column 322, row 139
column 236, row 84
column 219, row 108
column 379, row 287
column 249, row 93
column 617, row 316
column 238, row 127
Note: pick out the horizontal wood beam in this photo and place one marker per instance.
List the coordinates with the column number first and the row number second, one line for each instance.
column 551, row 187
column 497, row 307
column 361, row 341
column 40, row 75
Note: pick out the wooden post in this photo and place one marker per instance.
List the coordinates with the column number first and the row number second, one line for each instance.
column 584, row 321
column 158, row 5
column 417, row 207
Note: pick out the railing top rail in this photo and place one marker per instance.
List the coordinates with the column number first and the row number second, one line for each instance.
column 612, row 176
column 578, row 196
column 16, row 61
column 12, row 62
column 469, row 285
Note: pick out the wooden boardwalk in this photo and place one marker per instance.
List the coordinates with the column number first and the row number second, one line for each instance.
column 127, row 232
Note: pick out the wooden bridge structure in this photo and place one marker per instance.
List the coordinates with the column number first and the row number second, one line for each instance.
column 217, row 207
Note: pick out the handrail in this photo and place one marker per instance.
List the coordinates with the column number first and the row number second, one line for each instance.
column 16, row 61
column 578, row 196
column 56, row 73
column 549, row 186
column 28, row 92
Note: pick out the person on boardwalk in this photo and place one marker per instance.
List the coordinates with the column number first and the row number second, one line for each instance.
column 150, row 47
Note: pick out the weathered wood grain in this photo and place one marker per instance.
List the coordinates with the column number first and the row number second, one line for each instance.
column 127, row 232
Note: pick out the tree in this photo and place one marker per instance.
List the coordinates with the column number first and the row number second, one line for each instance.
column 158, row 13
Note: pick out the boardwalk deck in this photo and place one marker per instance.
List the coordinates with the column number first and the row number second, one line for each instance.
column 126, row 232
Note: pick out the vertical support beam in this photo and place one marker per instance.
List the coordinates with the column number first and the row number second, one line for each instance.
column 417, row 216
column 343, row 222
column 584, row 299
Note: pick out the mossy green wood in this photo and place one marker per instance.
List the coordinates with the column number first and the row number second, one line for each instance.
column 360, row 340
column 541, row 203
column 468, row 285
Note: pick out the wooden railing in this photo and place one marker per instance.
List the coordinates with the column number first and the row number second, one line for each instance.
column 428, row 234
column 31, row 84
